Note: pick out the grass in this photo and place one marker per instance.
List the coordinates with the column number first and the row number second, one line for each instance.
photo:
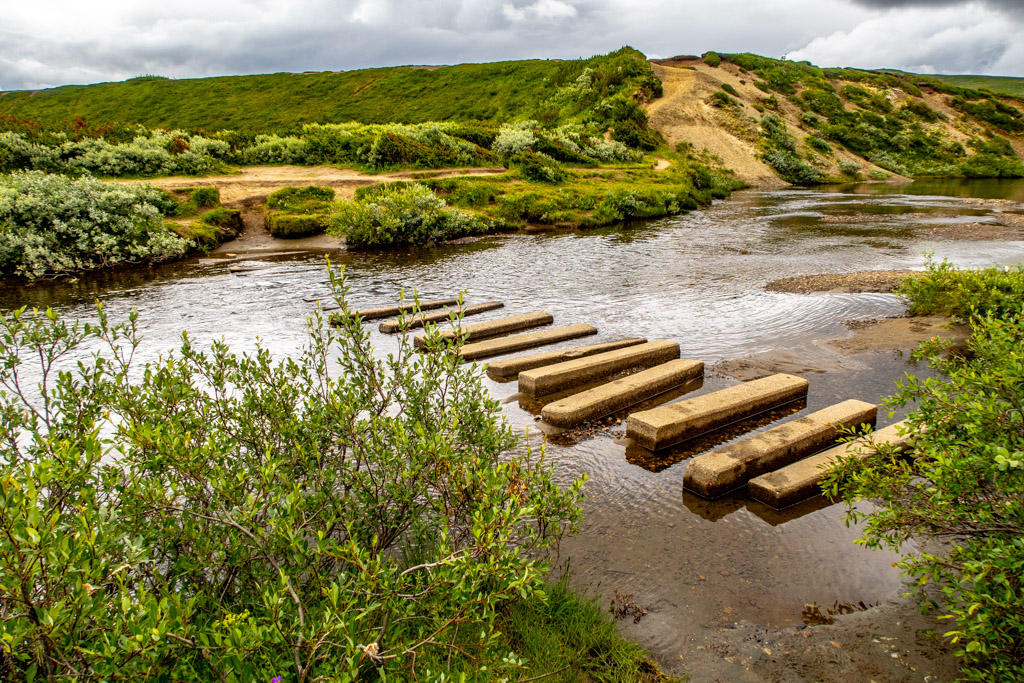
column 1002, row 85
column 546, row 90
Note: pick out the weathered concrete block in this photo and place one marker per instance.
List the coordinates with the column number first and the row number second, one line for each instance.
column 389, row 311
column 800, row 481
column 730, row 467
column 421, row 319
column 496, row 347
column 622, row 393
column 510, row 367
column 668, row 425
column 493, row 328
column 553, row 378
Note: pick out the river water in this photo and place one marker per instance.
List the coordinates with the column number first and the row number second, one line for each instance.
column 698, row 279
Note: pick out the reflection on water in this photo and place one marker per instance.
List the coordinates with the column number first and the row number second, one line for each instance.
column 696, row 279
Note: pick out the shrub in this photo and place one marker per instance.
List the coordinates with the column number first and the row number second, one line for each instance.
column 727, row 87
column 712, row 59
column 818, row 145
column 273, row 149
column 301, row 199
column 720, row 99
column 290, row 225
column 52, row 224
column 537, row 167
column 402, row 214
column 238, row 517
column 878, row 174
column 513, row 140
column 849, row 168
column 634, row 135
column 965, row 482
column 810, row 119
column 792, row 169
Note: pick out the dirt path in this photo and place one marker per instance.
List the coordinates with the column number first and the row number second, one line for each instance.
column 259, row 181
column 248, row 191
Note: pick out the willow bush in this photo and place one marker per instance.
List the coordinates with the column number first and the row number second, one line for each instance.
column 961, row 495
column 235, row 517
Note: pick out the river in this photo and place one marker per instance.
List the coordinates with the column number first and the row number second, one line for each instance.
column 698, row 279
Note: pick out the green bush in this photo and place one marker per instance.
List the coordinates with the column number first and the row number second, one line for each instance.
column 727, row 87
column 301, row 199
column 964, row 485
column 946, row 290
column 878, row 174
column 52, row 224
column 720, row 98
column 849, row 168
column 402, row 214
column 536, row 167
column 216, row 516
column 712, row 59
column 635, row 135
column 817, row 144
column 292, row 225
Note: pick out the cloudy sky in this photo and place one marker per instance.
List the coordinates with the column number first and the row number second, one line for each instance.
column 53, row 42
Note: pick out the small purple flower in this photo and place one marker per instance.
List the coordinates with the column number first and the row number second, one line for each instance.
column 276, row 679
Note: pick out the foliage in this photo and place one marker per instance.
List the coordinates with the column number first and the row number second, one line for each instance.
column 308, row 199
column 712, row 59
column 1004, row 85
column 850, row 168
column 198, row 198
column 945, row 290
column 720, row 98
column 965, row 483
column 150, row 153
column 552, row 91
column 818, row 145
column 237, row 518
column 51, row 224
column 779, row 152
column 861, row 117
column 537, row 167
column 402, row 214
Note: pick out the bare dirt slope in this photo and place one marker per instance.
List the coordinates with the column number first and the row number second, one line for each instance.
column 683, row 115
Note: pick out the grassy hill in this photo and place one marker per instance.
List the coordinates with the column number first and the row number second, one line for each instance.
column 546, row 90
column 1002, row 85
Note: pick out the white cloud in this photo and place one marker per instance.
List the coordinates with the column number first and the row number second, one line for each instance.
column 540, row 10
column 53, row 42
column 964, row 38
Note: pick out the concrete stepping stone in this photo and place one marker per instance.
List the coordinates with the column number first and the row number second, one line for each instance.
column 669, row 424
column 801, row 480
column 421, row 319
column 510, row 367
column 390, row 311
column 621, row 393
column 493, row 328
column 730, row 467
column 519, row 342
column 568, row 374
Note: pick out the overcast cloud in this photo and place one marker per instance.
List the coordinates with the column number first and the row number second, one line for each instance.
column 54, row 42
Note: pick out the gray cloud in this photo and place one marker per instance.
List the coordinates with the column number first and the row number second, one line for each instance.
column 51, row 42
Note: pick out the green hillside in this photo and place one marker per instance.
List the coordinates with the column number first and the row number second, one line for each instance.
column 1003, row 85
column 546, row 90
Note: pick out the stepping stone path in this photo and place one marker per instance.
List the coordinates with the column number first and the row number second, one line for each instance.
column 779, row 466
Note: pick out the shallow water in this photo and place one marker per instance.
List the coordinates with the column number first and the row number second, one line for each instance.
column 697, row 279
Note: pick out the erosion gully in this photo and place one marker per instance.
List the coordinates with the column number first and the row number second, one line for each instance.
column 698, row 279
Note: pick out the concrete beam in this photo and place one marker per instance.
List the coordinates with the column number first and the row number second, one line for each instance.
column 622, row 393
column 421, row 319
column 669, row 424
column 730, row 467
column 554, row 378
column 389, row 311
column 802, row 479
column 493, row 328
column 519, row 342
column 510, row 367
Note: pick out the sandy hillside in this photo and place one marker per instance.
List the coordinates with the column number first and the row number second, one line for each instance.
column 684, row 114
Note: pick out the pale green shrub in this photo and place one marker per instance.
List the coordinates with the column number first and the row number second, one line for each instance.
column 51, row 224
column 512, row 140
column 274, row 149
